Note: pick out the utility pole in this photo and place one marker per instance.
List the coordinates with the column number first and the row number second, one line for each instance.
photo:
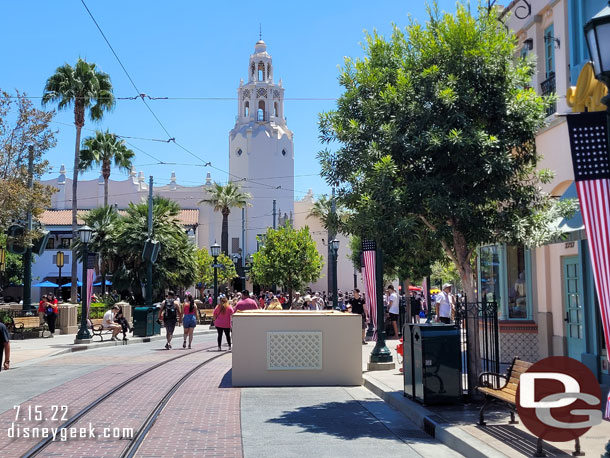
column 27, row 257
column 274, row 213
column 332, row 233
column 243, row 247
column 149, row 262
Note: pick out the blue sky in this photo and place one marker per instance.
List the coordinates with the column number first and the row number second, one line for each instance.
column 193, row 49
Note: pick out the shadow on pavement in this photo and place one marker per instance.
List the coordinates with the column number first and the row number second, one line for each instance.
column 518, row 440
column 227, row 380
column 344, row 420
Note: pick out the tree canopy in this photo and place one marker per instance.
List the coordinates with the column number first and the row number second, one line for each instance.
column 288, row 258
column 436, row 137
column 205, row 271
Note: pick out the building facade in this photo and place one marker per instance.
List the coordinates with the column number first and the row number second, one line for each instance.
column 547, row 299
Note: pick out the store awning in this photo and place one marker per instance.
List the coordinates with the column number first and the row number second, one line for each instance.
column 573, row 228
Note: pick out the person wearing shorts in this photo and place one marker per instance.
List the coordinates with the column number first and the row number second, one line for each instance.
column 189, row 318
column 393, row 309
column 170, row 313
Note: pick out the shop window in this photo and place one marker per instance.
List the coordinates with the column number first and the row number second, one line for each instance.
column 515, row 275
column 490, row 273
column 65, row 243
column 50, row 243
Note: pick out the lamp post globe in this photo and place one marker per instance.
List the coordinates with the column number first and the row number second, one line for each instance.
column 597, row 33
column 215, row 250
column 84, row 234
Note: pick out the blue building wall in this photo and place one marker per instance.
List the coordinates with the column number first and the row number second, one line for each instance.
column 579, row 12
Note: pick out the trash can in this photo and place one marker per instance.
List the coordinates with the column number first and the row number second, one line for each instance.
column 143, row 321
column 156, row 324
column 436, row 364
column 407, row 359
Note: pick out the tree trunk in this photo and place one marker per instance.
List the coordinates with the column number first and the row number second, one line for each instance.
column 79, row 122
column 224, row 236
column 106, row 176
column 462, row 259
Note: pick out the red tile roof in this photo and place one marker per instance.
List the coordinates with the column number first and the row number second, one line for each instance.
column 188, row 217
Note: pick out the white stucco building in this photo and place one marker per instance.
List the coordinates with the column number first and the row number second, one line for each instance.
column 261, row 159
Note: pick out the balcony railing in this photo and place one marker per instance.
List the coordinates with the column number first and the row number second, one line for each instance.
column 548, row 88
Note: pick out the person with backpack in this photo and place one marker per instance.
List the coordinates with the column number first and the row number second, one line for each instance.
column 170, row 313
column 189, row 312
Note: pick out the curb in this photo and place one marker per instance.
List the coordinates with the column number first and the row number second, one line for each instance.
column 452, row 436
column 110, row 343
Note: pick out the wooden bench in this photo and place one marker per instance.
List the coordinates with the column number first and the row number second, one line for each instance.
column 206, row 316
column 97, row 330
column 493, row 389
column 19, row 324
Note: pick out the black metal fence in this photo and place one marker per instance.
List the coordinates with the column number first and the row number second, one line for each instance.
column 478, row 321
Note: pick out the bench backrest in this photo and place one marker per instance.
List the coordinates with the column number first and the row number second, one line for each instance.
column 517, row 368
column 28, row 321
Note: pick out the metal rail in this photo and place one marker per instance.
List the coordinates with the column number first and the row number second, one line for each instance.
column 136, row 442
column 70, row 421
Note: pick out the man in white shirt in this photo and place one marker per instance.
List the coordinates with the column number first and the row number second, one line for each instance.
column 393, row 309
column 445, row 304
column 108, row 322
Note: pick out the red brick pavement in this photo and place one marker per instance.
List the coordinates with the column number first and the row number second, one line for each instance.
column 127, row 409
column 201, row 419
column 75, row 394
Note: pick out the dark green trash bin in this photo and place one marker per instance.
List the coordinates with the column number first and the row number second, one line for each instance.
column 156, row 324
column 143, row 321
column 437, row 366
column 407, row 362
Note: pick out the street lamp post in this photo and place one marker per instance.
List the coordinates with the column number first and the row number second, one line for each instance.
column 334, row 247
column 84, row 233
column 59, row 262
column 2, row 266
column 215, row 251
column 597, row 33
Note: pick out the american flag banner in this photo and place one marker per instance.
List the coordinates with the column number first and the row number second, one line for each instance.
column 369, row 250
column 591, row 162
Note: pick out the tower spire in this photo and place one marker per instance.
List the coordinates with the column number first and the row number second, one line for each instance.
column 260, row 31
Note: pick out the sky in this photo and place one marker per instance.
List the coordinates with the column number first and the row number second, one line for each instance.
column 193, row 49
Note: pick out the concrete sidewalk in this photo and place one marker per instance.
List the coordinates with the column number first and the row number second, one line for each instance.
column 28, row 351
column 456, row 426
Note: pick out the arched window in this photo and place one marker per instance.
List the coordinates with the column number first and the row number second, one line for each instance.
column 269, row 70
column 261, row 111
column 252, row 69
column 261, row 71
column 247, row 109
column 276, row 113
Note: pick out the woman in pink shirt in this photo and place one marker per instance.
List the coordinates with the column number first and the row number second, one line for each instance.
column 222, row 320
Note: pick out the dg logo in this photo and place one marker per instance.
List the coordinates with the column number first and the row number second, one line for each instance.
column 559, row 399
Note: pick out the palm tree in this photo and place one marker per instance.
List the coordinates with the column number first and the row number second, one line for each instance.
column 104, row 149
column 223, row 199
column 82, row 87
column 106, row 224
column 332, row 221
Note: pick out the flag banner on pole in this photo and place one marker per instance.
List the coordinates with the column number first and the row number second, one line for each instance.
column 90, row 277
column 369, row 250
column 591, row 163
column 424, row 288
column 367, row 307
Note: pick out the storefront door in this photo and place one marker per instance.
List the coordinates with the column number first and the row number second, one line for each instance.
column 573, row 313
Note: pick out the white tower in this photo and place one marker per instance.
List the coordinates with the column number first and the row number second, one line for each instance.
column 261, row 152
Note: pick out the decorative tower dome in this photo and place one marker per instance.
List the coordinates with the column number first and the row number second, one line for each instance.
column 260, row 146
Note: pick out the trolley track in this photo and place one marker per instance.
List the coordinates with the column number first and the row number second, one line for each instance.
column 41, row 445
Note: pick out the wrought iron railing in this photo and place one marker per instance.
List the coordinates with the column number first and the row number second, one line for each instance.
column 548, row 88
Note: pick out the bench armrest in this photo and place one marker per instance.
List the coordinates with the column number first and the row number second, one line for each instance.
column 486, row 380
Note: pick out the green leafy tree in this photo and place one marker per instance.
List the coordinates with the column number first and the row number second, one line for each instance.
column 444, row 271
column 289, row 258
column 437, row 125
column 85, row 89
column 106, row 224
column 103, row 150
column 176, row 264
column 223, row 198
column 205, row 271
column 21, row 126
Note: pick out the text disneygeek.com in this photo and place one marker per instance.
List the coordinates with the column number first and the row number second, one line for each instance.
column 63, row 434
